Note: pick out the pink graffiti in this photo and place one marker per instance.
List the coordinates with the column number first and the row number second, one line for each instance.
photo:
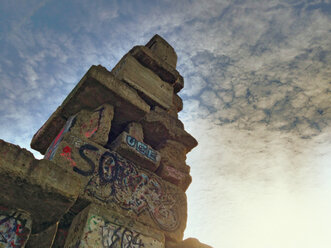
column 67, row 154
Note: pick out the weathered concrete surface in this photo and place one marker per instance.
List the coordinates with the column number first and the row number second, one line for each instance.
column 172, row 175
column 162, row 49
column 94, row 125
column 167, row 73
column 98, row 227
column 150, row 86
column 190, row 243
column 48, row 131
column 177, row 106
column 43, row 239
column 138, row 152
column 40, row 187
column 159, row 126
column 65, row 222
column 177, row 103
column 135, row 129
column 97, row 87
column 15, row 227
column 173, row 154
column 122, row 186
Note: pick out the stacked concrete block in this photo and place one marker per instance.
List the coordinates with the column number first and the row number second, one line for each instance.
column 40, row 187
column 97, row 226
column 114, row 172
column 123, row 186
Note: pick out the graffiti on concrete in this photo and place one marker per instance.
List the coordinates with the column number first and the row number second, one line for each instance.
column 66, row 153
column 141, row 147
column 12, row 230
column 92, row 126
column 53, row 147
column 101, row 233
column 132, row 189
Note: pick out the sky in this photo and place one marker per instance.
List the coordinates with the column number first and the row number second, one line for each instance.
column 257, row 97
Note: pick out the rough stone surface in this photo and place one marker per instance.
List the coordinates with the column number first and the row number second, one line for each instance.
column 15, row 227
column 97, row 87
column 177, row 103
column 167, row 73
column 135, row 130
column 122, row 186
column 98, row 227
column 162, row 49
column 177, row 106
column 43, row 239
column 173, row 154
column 40, row 187
column 172, row 175
column 48, row 131
column 150, row 86
column 159, row 126
column 94, row 125
column 173, row 167
column 138, row 152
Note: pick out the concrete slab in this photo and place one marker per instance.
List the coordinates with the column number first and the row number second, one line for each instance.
column 162, row 49
column 98, row 227
column 40, row 187
column 150, row 86
column 167, row 73
column 159, row 126
column 136, row 151
column 97, row 87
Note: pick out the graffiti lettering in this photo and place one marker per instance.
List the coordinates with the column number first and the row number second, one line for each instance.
column 132, row 188
column 89, row 161
column 12, row 230
column 111, row 235
column 141, row 147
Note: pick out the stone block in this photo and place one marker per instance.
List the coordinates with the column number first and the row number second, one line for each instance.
column 167, row 73
column 138, row 152
column 177, row 103
column 135, row 130
column 162, row 49
column 173, row 154
column 40, row 187
column 177, row 106
column 122, row 186
column 94, row 125
column 159, row 126
column 97, row 87
column 98, row 227
column 15, row 227
column 44, row 136
column 149, row 85
column 43, row 239
column 172, row 175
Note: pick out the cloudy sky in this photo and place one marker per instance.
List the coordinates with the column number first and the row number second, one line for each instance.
column 257, row 97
